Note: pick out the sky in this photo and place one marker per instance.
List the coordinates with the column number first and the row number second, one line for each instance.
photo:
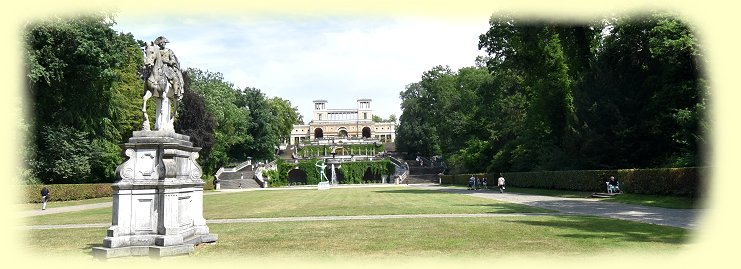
column 335, row 58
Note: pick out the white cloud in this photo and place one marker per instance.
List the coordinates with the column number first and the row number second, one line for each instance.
column 340, row 59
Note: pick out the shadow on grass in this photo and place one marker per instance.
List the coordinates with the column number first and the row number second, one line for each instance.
column 581, row 227
column 410, row 191
column 509, row 208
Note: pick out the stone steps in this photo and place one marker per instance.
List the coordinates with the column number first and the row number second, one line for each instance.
column 239, row 184
column 416, row 179
column 603, row 195
column 241, row 179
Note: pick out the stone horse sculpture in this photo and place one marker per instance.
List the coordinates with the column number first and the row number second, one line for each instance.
column 162, row 80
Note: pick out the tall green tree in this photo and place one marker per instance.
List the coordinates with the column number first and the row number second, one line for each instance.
column 534, row 50
column 618, row 92
column 79, row 71
column 232, row 117
column 285, row 116
column 196, row 121
column 264, row 131
column 644, row 103
column 417, row 134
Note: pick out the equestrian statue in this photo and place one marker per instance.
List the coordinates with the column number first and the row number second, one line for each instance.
column 162, row 80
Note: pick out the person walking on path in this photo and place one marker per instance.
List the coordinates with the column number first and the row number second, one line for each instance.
column 44, row 197
column 500, row 183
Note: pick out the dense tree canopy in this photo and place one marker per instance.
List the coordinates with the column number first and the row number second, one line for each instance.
column 248, row 123
column 85, row 99
column 617, row 93
column 81, row 78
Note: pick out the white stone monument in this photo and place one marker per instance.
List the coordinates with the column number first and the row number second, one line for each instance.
column 158, row 194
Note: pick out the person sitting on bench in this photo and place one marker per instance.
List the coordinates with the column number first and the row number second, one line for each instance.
column 613, row 186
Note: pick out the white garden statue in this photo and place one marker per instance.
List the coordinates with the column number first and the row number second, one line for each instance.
column 162, row 80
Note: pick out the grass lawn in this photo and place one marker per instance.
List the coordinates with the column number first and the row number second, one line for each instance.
column 334, row 202
column 444, row 237
column 351, row 202
column 98, row 215
column 533, row 236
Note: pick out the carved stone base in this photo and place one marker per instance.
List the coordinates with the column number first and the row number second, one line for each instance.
column 157, row 199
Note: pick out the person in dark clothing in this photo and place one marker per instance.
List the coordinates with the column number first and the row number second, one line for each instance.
column 44, row 197
column 613, row 185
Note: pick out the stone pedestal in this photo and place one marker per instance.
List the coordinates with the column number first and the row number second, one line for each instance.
column 157, row 199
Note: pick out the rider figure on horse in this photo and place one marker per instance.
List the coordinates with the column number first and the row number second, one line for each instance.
column 171, row 68
column 163, row 80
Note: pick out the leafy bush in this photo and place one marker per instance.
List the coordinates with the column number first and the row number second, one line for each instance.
column 664, row 181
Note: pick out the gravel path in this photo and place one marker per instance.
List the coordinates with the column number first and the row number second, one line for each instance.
column 684, row 218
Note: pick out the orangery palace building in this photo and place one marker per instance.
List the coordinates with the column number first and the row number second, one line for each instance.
column 351, row 124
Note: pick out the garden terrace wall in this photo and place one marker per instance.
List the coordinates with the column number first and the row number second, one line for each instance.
column 688, row 181
column 348, row 172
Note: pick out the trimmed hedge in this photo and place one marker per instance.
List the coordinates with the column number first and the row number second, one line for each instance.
column 662, row 181
column 69, row 192
column 208, row 182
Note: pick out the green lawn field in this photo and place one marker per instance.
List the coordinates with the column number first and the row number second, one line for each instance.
column 549, row 235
